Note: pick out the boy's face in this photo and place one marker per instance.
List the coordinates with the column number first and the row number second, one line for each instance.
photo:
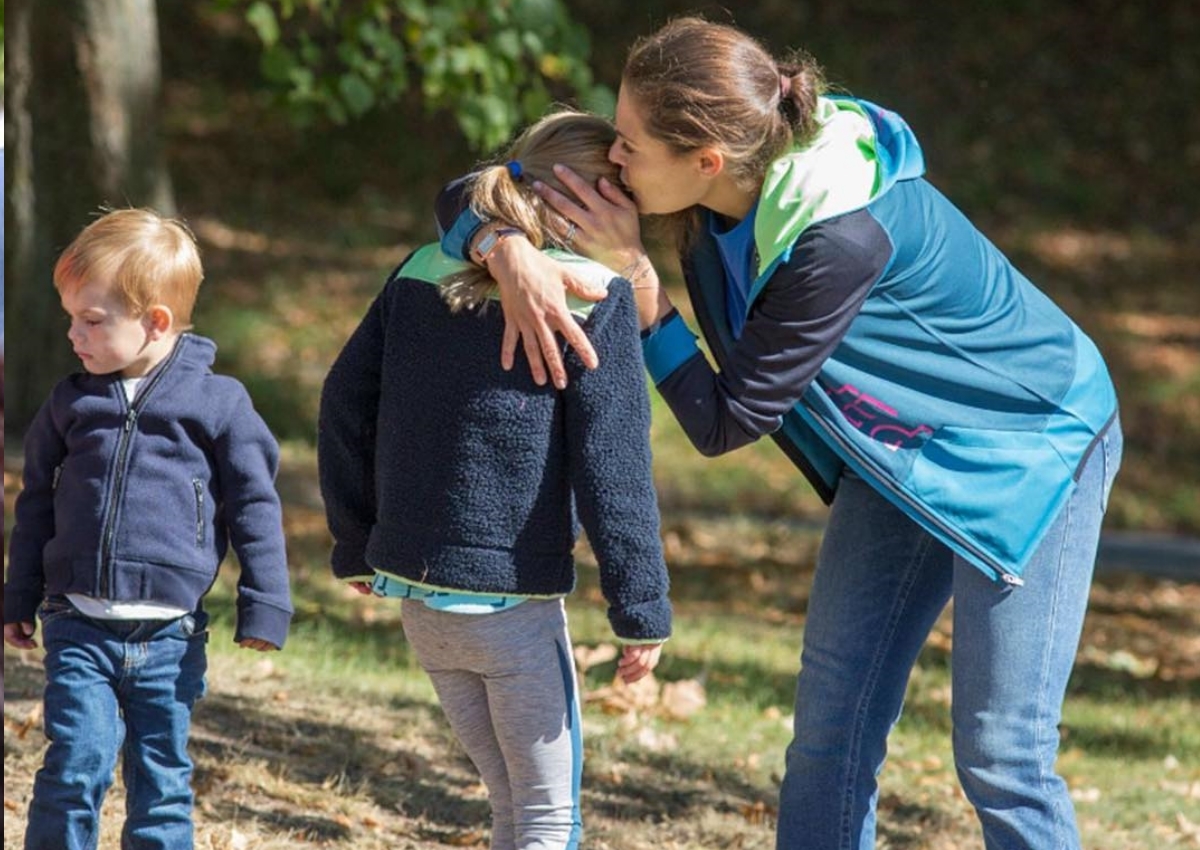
column 105, row 336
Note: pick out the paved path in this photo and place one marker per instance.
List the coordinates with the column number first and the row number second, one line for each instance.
column 1159, row 555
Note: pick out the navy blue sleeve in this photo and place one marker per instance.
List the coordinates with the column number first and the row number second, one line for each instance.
column 45, row 451
column 346, row 434
column 247, row 460
column 608, row 441
column 799, row 318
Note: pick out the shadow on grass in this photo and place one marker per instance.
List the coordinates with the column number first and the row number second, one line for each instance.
column 23, row 679
column 329, row 754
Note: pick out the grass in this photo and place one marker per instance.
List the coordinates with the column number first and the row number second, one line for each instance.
column 339, row 742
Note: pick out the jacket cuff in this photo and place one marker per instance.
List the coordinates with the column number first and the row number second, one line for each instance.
column 350, row 561
column 263, row 622
column 645, row 622
column 20, row 607
column 456, row 242
column 668, row 347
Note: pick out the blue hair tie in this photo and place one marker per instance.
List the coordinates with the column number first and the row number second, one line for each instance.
column 514, row 169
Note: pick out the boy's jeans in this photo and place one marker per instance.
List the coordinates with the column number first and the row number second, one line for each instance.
column 881, row 583
column 117, row 685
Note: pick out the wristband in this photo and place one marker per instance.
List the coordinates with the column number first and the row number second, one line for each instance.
column 491, row 241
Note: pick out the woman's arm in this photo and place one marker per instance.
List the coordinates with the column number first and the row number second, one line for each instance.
column 799, row 319
column 608, row 230
column 533, row 288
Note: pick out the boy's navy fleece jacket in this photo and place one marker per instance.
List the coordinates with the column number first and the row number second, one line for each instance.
column 138, row 502
column 440, row 467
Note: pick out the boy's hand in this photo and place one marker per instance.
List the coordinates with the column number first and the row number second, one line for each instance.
column 20, row 635
column 637, row 660
column 255, row 644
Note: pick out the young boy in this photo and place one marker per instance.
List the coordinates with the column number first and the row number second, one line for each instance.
column 138, row 473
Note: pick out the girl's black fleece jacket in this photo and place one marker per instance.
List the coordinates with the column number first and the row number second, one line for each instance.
column 439, row 466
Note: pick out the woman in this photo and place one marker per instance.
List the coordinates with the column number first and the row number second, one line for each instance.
column 963, row 428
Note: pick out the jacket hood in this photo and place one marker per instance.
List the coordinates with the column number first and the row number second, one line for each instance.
column 859, row 153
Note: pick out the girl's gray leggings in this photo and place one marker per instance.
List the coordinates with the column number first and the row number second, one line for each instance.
column 506, row 682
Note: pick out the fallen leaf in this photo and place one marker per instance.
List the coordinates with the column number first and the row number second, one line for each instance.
column 467, row 839
column 33, row 719
column 682, row 699
column 587, row 657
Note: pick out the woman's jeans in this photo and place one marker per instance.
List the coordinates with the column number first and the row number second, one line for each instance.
column 117, row 685
column 880, row 585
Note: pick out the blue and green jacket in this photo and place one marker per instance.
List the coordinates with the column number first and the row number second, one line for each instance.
column 884, row 333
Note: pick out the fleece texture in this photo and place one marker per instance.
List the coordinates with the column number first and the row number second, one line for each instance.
column 138, row 502
column 440, row 467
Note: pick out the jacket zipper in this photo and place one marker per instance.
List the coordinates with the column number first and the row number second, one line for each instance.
column 1005, row 576
column 108, row 532
column 198, row 486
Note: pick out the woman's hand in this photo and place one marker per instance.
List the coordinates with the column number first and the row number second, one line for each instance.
column 533, row 295
column 607, row 228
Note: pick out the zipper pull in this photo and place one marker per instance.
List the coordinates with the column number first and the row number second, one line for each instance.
column 130, row 418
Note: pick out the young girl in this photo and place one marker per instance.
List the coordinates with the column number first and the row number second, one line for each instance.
column 457, row 485
column 964, row 428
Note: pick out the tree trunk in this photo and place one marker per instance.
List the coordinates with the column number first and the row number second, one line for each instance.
column 82, row 90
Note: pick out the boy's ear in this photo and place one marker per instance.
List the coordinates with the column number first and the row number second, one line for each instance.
column 159, row 320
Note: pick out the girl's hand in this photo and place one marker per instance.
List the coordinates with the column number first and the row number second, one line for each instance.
column 20, row 635
column 257, row 644
column 361, row 586
column 533, row 295
column 637, row 660
column 607, row 228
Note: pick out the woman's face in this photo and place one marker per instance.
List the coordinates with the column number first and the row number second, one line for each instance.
column 660, row 180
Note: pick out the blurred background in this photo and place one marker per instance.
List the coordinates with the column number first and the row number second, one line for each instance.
column 304, row 141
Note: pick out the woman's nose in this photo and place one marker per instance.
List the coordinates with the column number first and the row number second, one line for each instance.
column 614, row 153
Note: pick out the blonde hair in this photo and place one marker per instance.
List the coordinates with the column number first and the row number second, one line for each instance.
column 503, row 192
column 146, row 259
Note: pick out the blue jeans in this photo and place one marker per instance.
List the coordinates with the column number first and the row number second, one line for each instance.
column 116, row 685
column 881, row 583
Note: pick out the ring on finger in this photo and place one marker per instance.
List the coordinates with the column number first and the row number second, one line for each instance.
column 570, row 237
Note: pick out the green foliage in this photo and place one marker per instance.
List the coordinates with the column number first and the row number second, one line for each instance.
column 494, row 63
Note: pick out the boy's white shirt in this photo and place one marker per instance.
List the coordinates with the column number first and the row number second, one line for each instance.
column 107, row 609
